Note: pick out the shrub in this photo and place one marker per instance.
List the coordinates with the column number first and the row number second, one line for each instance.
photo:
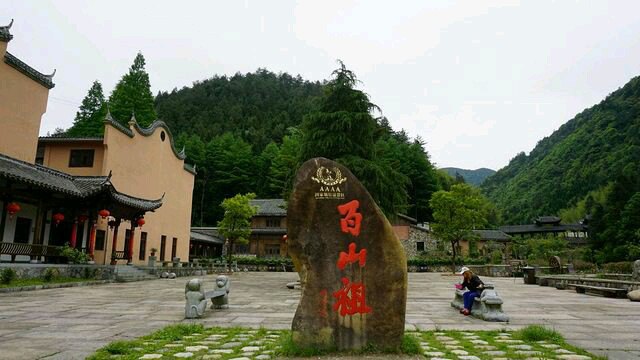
column 74, row 256
column 50, row 274
column 7, row 275
column 538, row 333
column 622, row 267
column 444, row 261
column 584, row 266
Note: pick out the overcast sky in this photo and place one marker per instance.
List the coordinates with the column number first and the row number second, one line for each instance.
column 478, row 81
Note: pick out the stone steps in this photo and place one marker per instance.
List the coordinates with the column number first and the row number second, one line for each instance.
column 127, row 273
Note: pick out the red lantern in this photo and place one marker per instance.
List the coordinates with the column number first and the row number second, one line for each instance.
column 104, row 213
column 140, row 222
column 58, row 217
column 82, row 218
column 13, row 208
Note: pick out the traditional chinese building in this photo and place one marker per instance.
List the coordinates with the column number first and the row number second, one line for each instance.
column 482, row 239
column 268, row 228
column 416, row 239
column 60, row 190
column 141, row 161
column 575, row 233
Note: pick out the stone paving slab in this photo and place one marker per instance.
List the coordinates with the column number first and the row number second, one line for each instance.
column 71, row 322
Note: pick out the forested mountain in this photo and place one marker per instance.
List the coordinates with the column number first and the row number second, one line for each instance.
column 473, row 177
column 258, row 107
column 593, row 156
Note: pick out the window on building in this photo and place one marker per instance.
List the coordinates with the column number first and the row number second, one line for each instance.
column 81, row 158
column 273, row 222
column 127, row 241
column 100, row 235
column 40, row 155
column 23, row 230
column 240, row 248
column 420, row 245
column 272, row 250
column 143, row 246
column 163, row 245
column 174, row 248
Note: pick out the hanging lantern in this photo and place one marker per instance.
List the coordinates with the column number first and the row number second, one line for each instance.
column 140, row 222
column 284, row 237
column 82, row 218
column 58, row 217
column 104, row 213
column 13, row 208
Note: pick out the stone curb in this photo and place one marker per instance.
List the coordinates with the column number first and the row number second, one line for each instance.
column 54, row 286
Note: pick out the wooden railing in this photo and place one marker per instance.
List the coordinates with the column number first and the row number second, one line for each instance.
column 121, row 255
column 32, row 250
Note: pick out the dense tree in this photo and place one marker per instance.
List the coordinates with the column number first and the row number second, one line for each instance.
column 89, row 119
column 344, row 130
column 259, row 107
column 582, row 156
column 235, row 226
column 132, row 95
column 456, row 213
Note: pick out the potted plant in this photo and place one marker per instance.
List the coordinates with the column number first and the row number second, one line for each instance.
column 152, row 258
column 153, row 251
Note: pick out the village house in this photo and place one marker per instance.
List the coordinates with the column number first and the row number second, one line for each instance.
column 114, row 197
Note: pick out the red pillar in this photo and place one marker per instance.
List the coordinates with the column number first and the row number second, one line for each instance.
column 115, row 244
column 131, row 237
column 74, row 234
column 92, row 239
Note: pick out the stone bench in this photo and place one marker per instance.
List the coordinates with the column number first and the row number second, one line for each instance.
column 487, row 307
column 601, row 290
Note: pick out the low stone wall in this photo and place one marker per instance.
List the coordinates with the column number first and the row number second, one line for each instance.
column 492, row 270
column 33, row 271
column 564, row 281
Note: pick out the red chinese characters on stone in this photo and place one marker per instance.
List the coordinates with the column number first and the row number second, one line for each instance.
column 352, row 218
column 350, row 299
column 352, row 257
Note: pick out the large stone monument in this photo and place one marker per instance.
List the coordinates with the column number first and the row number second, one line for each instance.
column 351, row 264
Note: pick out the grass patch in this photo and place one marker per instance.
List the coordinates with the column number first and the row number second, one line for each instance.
column 533, row 341
column 32, row 282
column 538, row 333
column 175, row 332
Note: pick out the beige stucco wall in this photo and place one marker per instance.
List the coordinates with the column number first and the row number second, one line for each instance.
column 146, row 167
column 22, row 103
column 56, row 155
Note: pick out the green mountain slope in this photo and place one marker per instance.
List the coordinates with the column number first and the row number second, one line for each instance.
column 258, row 107
column 474, row 177
column 583, row 155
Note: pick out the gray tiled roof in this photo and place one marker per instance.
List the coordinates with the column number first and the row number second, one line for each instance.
column 270, row 207
column 496, row 235
column 268, row 231
column 68, row 139
column 42, row 79
column 5, row 35
column 76, row 186
column 534, row 228
column 207, row 234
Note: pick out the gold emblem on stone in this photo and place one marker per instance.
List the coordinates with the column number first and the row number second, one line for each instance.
column 329, row 180
column 329, row 177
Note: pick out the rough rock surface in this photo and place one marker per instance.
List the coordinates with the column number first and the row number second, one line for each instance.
column 351, row 264
column 636, row 270
column 634, row 295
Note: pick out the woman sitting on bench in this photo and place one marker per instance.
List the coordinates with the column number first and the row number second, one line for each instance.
column 475, row 286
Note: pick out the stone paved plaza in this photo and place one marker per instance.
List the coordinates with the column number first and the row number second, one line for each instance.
column 71, row 323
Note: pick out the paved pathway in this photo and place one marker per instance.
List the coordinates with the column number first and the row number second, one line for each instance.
column 71, row 323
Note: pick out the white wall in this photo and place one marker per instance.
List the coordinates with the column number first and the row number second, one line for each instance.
column 27, row 211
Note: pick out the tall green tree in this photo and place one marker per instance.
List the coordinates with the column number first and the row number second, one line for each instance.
column 456, row 213
column 132, row 95
column 89, row 119
column 344, row 130
column 235, row 226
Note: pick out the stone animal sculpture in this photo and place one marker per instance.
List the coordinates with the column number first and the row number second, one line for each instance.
column 220, row 295
column 196, row 303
